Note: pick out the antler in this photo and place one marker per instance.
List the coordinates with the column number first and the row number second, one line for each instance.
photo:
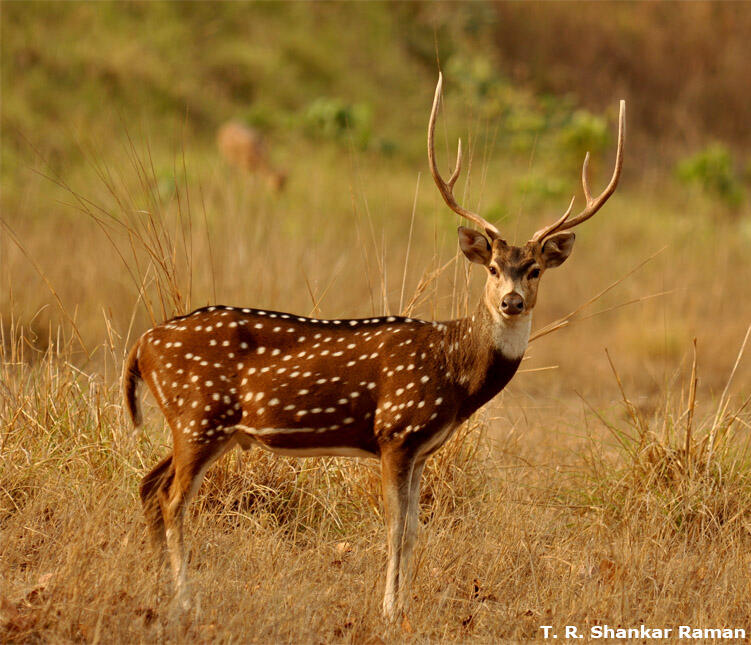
column 593, row 205
column 447, row 188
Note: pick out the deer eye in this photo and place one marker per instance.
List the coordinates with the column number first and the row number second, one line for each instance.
column 493, row 270
column 534, row 274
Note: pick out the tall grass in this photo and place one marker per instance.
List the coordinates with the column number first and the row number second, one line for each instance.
column 509, row 541
column 634, row 528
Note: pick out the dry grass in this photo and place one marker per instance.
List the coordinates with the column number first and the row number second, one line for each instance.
column 517, row 531
column 552, row 513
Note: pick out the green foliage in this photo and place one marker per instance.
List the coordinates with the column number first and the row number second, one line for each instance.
column 264, row 118
column 525, row 127
column 713, row 171
column 262, row 64
column 478, row 82
column 490, row 94
column 497, row 213
column 386, row 147
column 529, row 122
column 584, row 132
column 521, row 119
column 333, row 118
column 541, row 187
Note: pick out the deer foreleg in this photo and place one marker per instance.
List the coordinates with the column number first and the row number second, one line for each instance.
column 410, row 532
column 396, row 479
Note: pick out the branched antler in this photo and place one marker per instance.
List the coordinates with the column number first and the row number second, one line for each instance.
column 447, row 188
column 593, row 205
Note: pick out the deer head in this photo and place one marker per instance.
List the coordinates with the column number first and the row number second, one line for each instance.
column 514, row 272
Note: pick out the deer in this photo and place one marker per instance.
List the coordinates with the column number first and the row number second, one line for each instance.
column 389, row 388
column 246, row 148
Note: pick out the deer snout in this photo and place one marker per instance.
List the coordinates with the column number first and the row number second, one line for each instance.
column 512, row 304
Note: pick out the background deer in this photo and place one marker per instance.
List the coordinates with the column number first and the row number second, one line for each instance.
column 245, row 148
column 389, row 388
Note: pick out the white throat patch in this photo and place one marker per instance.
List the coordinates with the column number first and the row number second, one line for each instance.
column 511, row 335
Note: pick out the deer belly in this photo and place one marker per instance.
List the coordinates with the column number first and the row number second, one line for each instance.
column 434, row 439
column 312, row 442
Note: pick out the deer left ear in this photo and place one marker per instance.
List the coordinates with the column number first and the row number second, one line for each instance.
column 557, row 248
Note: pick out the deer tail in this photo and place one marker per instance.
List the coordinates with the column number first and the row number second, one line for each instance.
column 131, row 379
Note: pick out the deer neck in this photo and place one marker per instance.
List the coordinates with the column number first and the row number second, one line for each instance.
column 484, row 350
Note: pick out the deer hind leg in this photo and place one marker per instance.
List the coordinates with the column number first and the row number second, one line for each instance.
column 396, row 479
column 174, row 497
column 160, row 477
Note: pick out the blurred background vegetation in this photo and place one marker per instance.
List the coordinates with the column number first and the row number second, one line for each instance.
column 543, row 75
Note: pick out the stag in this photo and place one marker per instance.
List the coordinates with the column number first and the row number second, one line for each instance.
column 389, row 388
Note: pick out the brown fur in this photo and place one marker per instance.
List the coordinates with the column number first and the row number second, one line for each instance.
column 389, row 388
column 131, row 377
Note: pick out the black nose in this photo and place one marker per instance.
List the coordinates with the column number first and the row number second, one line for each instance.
column 512, row 304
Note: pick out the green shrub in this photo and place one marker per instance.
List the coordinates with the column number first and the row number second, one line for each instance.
column 713, row 170
column 525, row 126
column 585, row 132
column 333, row 118
column 541, row 187
column 480, row 85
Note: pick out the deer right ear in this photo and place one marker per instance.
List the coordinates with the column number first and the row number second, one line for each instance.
column 557, row 248
column 474, row 245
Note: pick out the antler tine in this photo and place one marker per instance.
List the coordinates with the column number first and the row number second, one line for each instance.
column 585, row 178
column 458, row 168
column 544, row 232
column 447, row 188
column 593, row 205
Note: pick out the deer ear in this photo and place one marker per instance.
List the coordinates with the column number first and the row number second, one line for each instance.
column 557, row 248
column 474, row 245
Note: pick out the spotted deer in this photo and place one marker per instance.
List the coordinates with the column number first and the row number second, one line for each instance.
column 246, row 148
column 387, row 387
